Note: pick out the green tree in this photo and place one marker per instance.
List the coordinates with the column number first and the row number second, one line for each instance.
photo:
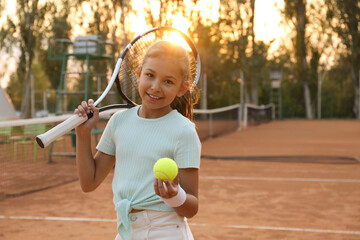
column 241, row 51
column 338, row 91
column 295, row 11
column 291, row 87
column 209, row 47
column 253, row 72
column 23, row 31
column 59, row 28
column 344, row 19
column 104, row 20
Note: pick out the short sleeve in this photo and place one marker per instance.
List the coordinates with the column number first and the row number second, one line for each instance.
column 106, row 143
column 188, row 148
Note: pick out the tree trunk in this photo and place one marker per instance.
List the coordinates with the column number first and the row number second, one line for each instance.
column 254, row 85
column 123, row 23
column 307, row 98
column 303, row 65
column 254, row 89
column 356, row 80
column 357, row 103
column 25, row 102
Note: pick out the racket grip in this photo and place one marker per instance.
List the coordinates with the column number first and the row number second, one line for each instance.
column 59, row 130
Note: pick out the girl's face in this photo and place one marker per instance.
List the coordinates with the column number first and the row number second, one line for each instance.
column 160, row 81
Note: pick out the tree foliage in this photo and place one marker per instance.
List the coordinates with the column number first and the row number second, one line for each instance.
column 24, row 32
column 227, row 47
column 295, row 11
column 344, row 18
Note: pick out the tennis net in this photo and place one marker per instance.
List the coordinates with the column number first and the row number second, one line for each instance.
column 216, row 122
column 27, row 168
column 254, row 115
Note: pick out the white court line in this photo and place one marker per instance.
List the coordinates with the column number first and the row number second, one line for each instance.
column 312, row 230
column 77, row 219
column 282, row 179
column 286, row 229
column 37, row 174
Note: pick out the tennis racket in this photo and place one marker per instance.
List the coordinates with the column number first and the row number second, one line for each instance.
column 124, row 76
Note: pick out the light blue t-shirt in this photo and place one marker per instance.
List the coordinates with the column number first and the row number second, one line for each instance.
column 137, row 143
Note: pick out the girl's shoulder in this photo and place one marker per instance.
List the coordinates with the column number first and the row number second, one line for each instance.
column 181, row 120
column 182, row 125
column 124, row 113
column 120, row 116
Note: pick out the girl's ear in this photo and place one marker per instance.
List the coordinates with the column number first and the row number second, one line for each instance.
column 183, row 89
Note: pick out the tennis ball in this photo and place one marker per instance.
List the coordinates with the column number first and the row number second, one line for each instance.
column 165, row 169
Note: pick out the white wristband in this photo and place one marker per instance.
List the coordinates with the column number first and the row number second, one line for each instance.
column 177, row 200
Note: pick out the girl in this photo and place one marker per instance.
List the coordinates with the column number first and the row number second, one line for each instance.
column 133, row 140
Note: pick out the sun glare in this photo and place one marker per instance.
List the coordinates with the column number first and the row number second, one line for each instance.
column 183, row 25
column 209, row 10
column 268, row 23
column 177, row 39
column 137, row 23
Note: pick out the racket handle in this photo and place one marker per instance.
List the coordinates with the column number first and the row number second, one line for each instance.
column 59, row 130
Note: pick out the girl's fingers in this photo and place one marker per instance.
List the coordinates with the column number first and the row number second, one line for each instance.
column 165, row 189
column 80, row 111
column 172, row 188
column 156, row 188
column 94, row 109
column 84, row 104
column 90, row 103
column 162, row 189
column 159, row 187
column 85, row 107
column 176, row 179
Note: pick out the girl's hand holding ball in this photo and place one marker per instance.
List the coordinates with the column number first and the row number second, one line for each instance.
column 166, row 178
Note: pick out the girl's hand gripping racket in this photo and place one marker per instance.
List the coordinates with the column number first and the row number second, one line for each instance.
column 124, row 76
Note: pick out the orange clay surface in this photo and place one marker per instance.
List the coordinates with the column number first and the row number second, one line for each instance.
column 239, row 199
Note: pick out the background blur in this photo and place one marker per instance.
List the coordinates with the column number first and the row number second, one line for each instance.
column 303, row 56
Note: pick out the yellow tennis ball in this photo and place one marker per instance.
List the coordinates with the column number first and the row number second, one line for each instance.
column 165, row 169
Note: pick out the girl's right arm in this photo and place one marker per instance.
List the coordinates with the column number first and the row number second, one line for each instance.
column 92, row 170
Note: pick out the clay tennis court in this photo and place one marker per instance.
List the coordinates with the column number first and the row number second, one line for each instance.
column 280, row 180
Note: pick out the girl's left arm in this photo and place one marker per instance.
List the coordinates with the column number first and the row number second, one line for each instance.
column 188, row 178
column 189, row 181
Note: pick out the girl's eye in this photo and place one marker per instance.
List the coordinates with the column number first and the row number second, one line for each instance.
column 169, row 82
column 148, row 74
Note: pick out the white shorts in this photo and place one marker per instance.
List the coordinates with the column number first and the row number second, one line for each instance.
column 158, row 225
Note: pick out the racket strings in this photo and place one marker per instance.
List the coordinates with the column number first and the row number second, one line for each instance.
column 128, row 70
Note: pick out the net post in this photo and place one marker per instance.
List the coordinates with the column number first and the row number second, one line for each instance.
column 239, row 118
column 358, row 116
column 319, row 96
column 241, row 108
column 273, row 111
column 50, row 153
column 210, row 125
column 245, row 116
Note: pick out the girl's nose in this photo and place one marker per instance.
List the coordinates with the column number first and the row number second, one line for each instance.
column 155, row 85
